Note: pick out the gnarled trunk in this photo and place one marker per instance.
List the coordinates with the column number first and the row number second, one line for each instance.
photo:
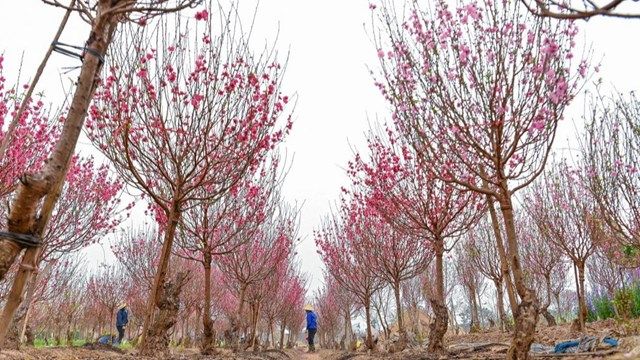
column 157, row 339
column 155, row 297
column 438, row 327
column 367, row 314
column 526, row 314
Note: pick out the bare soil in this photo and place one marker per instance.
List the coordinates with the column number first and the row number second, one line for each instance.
column 482, row 345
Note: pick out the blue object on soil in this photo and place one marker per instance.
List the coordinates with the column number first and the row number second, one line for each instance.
column 104, row 339
column 562, row 347
column 610, row 341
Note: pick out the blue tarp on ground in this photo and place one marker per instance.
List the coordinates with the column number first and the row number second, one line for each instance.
column 105, row 339
column 587, row 343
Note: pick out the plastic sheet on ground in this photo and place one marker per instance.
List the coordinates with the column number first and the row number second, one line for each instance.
column 585, row 344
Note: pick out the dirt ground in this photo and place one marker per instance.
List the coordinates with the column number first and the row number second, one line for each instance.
column 483, row 345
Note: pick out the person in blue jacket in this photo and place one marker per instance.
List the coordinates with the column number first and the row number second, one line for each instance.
column 312, row 326
column 122, row 319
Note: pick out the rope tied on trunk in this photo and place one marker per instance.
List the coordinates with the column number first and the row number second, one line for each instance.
column 25, row 240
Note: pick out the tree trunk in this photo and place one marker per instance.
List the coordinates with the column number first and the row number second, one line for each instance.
column 473, row 308
column 157, row 340
column 163, row 267
column 254, row 326
column 12, row 340
column 438, row 327
column 504, row 259
column 348, row 338
column 500, row 305
column 551, row 321
column 401, row 330
column 454, row 322
column 199, row 320
column 30, row 299
column 236, row 327
column 526, row 314
column 367, row 313
column 281, row 344
column 273, row 337
column 582, row 303
column 384, row 328
column 22, row 217
column 207, row 345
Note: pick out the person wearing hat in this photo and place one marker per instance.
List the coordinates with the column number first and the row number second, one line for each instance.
column 122, row 319
column 312, row 326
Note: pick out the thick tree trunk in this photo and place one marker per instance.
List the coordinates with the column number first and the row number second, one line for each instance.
column 254, row 325
column 438, row 327
column 207, row 345
column 235, row 328
column 551, row 321
column 500, row 305
column 33, row 187
column 474, row 326
column 30, row 299
column 30, row 338
column 12, row 340
column 157, row 340
column 348, row 331
column 401, row 344
column 526, row 314
column 282, row 328
column 582, row 302
column 155, row 297
column 504, row 260
column 367, row 314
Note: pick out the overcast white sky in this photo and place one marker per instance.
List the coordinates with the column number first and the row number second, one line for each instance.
column 329, row 54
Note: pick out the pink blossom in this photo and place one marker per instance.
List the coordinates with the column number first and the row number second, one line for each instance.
column 560, row 92
column 195, row 101
column 464, row 54
column 142, row 73
column 582, row 68
column 202, row 15
column 380, row 53
column 550, row 47
column 473, row 11
column 537, row 124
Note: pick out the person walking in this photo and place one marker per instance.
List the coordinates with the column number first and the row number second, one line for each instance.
column 312, row 326
column 122, row 319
